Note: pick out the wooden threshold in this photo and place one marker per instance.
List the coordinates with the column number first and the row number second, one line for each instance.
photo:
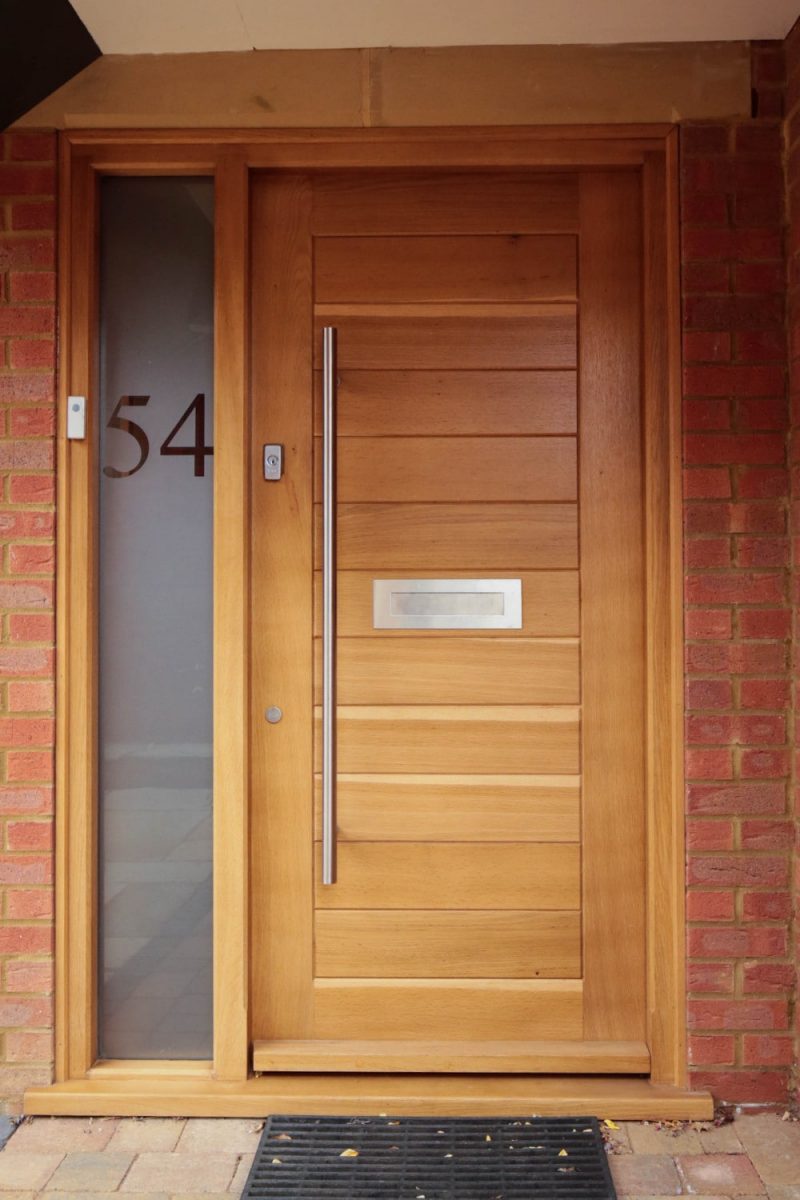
column 518, row 1058
column 622, row 1098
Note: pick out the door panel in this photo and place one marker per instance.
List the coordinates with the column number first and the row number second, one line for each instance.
column 421, row 269
column 488, row 912
column 488, row 337
column 396, row 403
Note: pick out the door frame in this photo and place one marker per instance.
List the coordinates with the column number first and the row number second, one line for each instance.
column 84, row 1084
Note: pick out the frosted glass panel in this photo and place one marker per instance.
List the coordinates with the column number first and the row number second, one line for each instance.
column 155, row 487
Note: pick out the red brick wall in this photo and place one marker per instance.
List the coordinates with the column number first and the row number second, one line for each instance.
column 738, row 609
column 738, row 615
column 27, row 559
column 793, row 255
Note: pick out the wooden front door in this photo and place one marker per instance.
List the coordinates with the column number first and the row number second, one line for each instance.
column 489, row 910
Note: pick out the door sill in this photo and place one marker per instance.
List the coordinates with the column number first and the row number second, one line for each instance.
column 518, row 1058
column 626, row 1099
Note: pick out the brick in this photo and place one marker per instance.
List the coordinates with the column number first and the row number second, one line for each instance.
column 709, row 835
column 764, row 764
column 765, row 623
column 31, row 697
column 29, row 975
column 38, row 389
column 709, row 693
column 18, row 320
column 731, row 313
column 26, row 595
column 718, row 448
column 708, row 347
column 26, row 180
column 738, row 1014
column 35, row 835
column 738, row 871
column 26, row 1172
column 705, row 278
column 764, row 693
column 714, row 1174
column 765, row 977
column 38, row 215
column 28, row 904
column 32, row 147
column 759, row 277
column 710, row 976
column 29, row 1047
column 706, row 414
column 762, row 552
column 21, row 731
column 32, row 489
column 33, row 353
column 31, row 627
column 180, row 1173
column 204, row 1135
column 767, row 1050
column 709, row 764
column 735, row 587
column 729, row 380
column 717, row 1049
column 33, row 422
column 759, row 345
column 134, row 1136
column 766, row 835
column 22, row 253
column 766, row 906
column 88, row 1172
column 696, row 138
column 750, row 942
column 32, row 560
column 707, row 483
column 710, row 906
column 708, row 553
column 744, row 1086
column 761, row 413
column 708, row 624
column 25, row 800
column 645, row 1175
column 29, row 766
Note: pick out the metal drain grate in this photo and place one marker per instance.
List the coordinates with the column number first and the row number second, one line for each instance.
column 421, row 1158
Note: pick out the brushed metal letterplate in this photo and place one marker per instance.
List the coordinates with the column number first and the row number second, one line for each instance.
column 447, row 603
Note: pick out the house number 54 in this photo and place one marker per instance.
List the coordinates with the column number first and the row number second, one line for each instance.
column 198, row 449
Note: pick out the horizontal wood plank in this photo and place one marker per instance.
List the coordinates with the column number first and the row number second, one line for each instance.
column 447, row 945
column 549, row 607
column 443, row 403
column 454, row 808
column 424, row 670
column 448, row 875
column 411, row 469
column 488, row 1057
column 474, row 1008
column 386, row 202
column 442, row 537
column 421, row 269
column 439, row 739
column 546, row 337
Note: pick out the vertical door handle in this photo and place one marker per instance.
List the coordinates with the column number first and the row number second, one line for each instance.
column 328, row 605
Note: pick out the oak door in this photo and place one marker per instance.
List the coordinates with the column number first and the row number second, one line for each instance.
column 489, row 908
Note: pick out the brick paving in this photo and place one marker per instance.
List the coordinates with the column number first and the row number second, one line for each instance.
column 72, row 1158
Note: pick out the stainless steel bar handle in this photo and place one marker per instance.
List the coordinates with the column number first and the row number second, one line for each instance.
column 328, row 605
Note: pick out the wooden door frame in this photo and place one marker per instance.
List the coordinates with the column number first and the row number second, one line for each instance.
column 82, row 1083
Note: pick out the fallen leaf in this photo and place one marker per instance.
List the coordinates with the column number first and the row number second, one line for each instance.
column 349, row 1154
column 488, row 1137
column 610, row 1124
column 448, row 1156
column 565, row 1170
column 563, row 1154
column 283, row 1137
column 276, row 1161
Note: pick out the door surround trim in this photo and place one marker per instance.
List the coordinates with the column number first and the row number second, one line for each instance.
column 230, row 156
